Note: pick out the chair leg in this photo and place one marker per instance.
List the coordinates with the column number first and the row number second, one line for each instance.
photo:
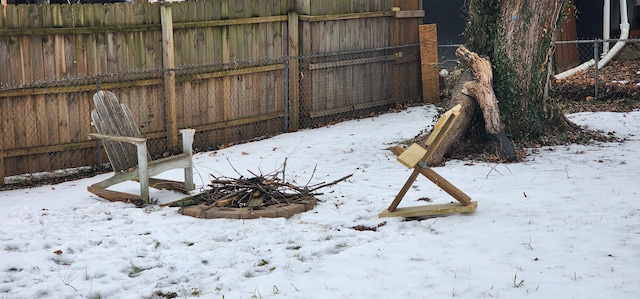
column 187, row 143
column 403, row 191
column 188, row 179
column 445, row 185
column 143, row 171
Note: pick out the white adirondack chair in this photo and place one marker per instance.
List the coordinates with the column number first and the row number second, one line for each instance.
column 127, row 153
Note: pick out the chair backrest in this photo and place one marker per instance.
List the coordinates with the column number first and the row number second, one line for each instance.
column 438, row 128
column 112, row 118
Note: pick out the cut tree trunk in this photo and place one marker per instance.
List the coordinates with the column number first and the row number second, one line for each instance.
column 473, row 90
column 481, row 88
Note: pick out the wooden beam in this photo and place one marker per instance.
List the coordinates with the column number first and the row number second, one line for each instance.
column 429, row 63
column 139, row 27
column 445, row 185
column 409, row 14
column 116, row 195
column 430, row 210
column 404, row 190
column 235, row 72
column 238, row 122
column 347, row 16
column 294, row 73
column 168, row 64
column 230, row 22
column 1, row 144
column 226, row 58
column 343, row 63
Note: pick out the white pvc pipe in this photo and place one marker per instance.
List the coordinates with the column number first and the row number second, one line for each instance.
column 606, row 25
column 568, row 73
column 624, row 34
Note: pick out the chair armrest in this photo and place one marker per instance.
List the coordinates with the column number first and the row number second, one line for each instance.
column 133, row 140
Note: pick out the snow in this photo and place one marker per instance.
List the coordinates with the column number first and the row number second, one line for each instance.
column 565, row 223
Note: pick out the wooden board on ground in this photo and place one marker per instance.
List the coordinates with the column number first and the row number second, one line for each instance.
column 430, row 210
column 285, row 210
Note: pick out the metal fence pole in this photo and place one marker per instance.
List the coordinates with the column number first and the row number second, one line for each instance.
column 286, row 93
column 98, row 141
column 595, row 58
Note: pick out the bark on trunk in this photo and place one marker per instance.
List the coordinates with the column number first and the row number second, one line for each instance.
column 481, row 88
column 517, row 35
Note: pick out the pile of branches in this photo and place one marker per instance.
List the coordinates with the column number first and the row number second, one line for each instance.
column 254, row 193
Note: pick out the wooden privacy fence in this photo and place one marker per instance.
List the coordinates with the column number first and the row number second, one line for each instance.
column 233, row 70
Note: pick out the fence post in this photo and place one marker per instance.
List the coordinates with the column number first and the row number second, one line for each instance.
column 595, row 67
column 1, row 151
column 4, row 2
column 294, row 72
column 169, row 73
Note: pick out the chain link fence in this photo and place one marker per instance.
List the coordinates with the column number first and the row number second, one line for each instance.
column 582, row 61
column 46, row 124
column 584, row 57
column 447, row 56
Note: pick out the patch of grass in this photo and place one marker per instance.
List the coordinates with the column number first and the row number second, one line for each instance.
column 135, row 270
column 168, row 295
column 300, row 257
column 516, row 283
column 342, row 245
column 195, row 292
column 417, row 259
column 12, row 248
column 95, row 295
column 262, row 262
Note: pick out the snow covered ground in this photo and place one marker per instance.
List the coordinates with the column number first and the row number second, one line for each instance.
column 563, row 224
